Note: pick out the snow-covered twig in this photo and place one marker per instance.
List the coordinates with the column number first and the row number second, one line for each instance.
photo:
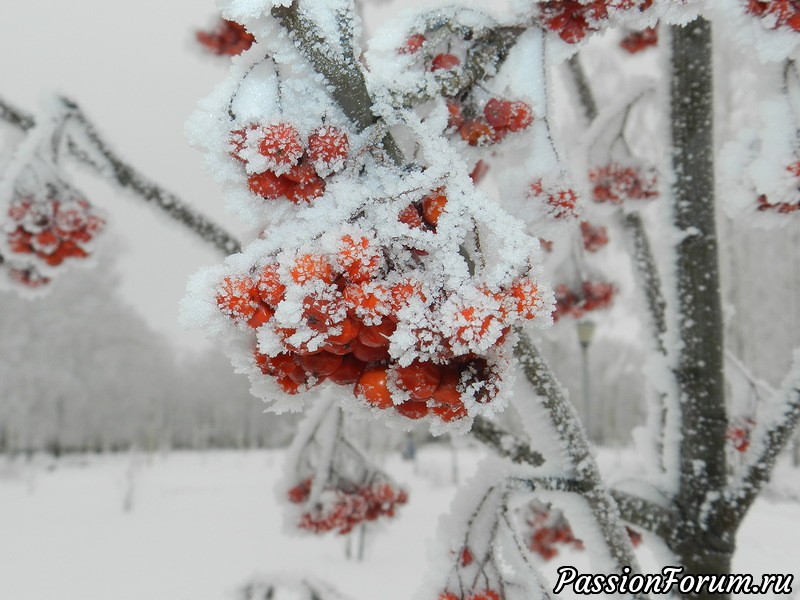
column 770, row 438
column 505, row 443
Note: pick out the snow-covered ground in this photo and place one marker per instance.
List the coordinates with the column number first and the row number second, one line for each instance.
column 198, row 526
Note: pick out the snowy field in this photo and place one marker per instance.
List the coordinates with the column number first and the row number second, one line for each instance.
column 198, row 526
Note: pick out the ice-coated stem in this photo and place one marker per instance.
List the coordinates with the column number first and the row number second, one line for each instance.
column 86, row 145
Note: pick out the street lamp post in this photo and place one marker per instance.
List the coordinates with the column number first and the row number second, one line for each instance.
column 585, row 334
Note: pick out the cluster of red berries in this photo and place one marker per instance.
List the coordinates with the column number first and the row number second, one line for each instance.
column 738, row 434
column 51, row 230
column 778, row 13
column 282, row 165
column 228, row 39
column 443, row 61
column 486, row 594
column 500, row 117
column 560, row 201
column 591, row 296
column 550, row 528
column 350, row 306
column 782, row 208
column 616, row 183
column 636, row 41
column 27, row 277
column 574, row 19
column 594, row 236
column 342, row 510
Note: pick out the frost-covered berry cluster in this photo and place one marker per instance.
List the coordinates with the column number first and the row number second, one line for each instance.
column 228, row 38
column 398, row 281
column 342, row 510
column 281, row 164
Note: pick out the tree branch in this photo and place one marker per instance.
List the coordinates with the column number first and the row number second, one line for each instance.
column 647, row 271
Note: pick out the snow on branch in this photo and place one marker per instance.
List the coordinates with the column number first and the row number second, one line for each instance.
column 775, row 428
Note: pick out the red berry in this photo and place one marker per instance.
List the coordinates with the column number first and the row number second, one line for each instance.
column 359, row 259
column 411, row 217
column 420, row 379
column 349, row 330
column 306, row 192
column 235, row 297
column 369, row 354
column 455, row 116
column 270, row 288
column 302, row 173
column 348, row 372
column 479, row 171
column 372, row 386
column 268, row 185
column 412, row 410
column 321, row 364
column 433, row 206
column 445, row 61
column 262, row 314
column 413, row 44
column 282, row 145
column 447, row 390
column 520, row 117
column 312, row 267
column 328, row 148
column 498, row 113
column 377, row 336
column 477, row 133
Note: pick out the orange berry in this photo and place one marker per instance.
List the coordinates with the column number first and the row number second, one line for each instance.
column 270, row 288
column 433, row 206
column 477, row 133
column 420, row 379
column 281, row 144
column 359, row 259
column 412, row 410
column 372, row 386
column 445, row 62
column 312, row 267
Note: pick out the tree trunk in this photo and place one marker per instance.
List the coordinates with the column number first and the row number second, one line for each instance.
column 704, row 539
